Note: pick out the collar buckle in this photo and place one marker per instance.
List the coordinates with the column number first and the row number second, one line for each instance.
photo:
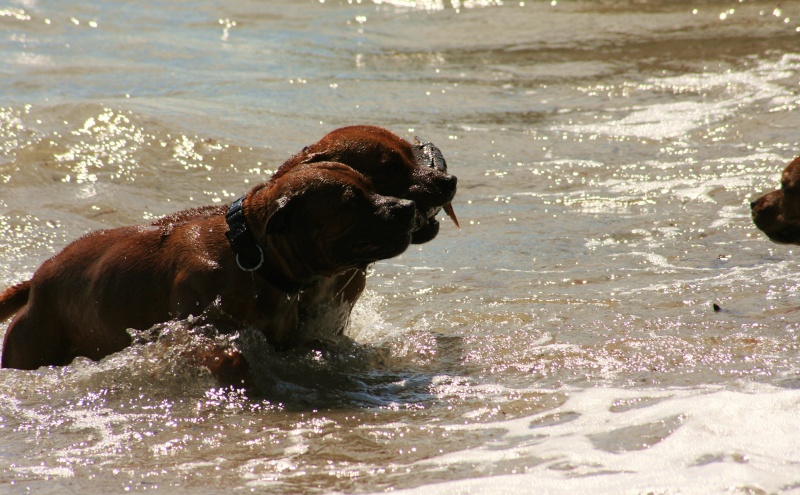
column 249, row 255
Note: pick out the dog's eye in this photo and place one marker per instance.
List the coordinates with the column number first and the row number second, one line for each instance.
column 348, row 196
column 352, row 198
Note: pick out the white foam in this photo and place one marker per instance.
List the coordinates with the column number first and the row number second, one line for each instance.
column 366, row 323
column 692, row 441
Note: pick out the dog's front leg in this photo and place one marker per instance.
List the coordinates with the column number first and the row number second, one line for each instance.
column 282, row 320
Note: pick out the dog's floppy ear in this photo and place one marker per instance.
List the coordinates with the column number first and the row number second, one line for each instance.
column 319, row 156
column 280, row 220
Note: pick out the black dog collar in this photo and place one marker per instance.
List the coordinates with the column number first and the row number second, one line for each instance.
column 249, row 255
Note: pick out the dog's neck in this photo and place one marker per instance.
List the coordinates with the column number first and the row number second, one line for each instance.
column 250, row 255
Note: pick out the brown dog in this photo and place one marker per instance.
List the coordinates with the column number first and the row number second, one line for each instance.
column 314, row 222
column 777, row 214
column 397, row 168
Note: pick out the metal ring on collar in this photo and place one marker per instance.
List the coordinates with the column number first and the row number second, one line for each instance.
column 258, row 265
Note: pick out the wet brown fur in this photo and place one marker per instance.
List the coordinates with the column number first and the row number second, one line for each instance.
column 777, row 213
column 393, row 167
column 82, row 301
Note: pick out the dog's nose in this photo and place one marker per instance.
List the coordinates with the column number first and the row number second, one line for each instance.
column 406, row 209
column 753, row 204
column 446, row 184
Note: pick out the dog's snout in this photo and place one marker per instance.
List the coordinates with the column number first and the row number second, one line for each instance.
column 406, row 203
column 407, row 213
column 406, row 209
column 449, row 182
column 753, row 204
column 397, row 210
column 445, row 188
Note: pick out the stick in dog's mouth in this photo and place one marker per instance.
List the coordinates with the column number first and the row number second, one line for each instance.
column 448, row 208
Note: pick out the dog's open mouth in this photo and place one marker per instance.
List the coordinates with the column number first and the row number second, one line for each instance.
column 423, row 220
column 426, row 226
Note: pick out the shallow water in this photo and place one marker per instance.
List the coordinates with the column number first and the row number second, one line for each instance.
column 564, row 340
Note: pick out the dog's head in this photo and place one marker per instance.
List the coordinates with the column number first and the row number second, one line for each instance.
column 777, row 213
column 327, row 218
column 397, row 168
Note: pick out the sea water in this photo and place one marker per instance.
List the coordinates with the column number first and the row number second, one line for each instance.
column 606, row 320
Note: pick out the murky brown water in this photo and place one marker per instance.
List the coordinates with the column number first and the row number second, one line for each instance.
column 563, row 340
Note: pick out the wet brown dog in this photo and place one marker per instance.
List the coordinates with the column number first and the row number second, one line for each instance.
column 314, row 222
column 397, row 168
column 777, row 214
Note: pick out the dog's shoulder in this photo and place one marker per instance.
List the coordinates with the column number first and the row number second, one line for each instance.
column 168, row 222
